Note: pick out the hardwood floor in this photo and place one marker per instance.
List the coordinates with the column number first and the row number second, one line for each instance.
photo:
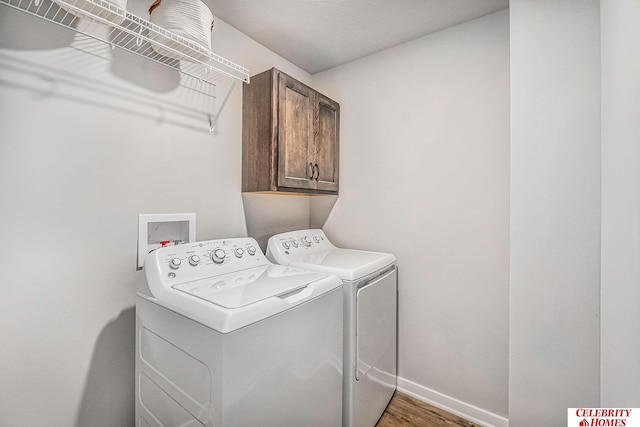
column 406, row 411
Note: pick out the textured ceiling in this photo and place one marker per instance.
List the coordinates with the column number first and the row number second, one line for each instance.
column 320, row 34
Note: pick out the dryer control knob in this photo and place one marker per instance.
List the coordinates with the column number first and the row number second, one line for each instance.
column 286, row 245
column 194, row 260
column 306, row 240
column 175, row 263
column 294, row 242
column 238, row 252
column 317, row 239
column 218, row 256
column 251, row 250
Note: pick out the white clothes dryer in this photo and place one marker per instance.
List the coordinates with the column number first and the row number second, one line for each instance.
column 370, row 316
column 225, row 338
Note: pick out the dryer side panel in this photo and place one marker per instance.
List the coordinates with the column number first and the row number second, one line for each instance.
column 376, row 314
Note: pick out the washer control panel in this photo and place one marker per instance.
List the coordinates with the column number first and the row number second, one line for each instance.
column 199, row 260
column 298, row 243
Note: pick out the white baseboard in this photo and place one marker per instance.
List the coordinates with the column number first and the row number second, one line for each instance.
column 451, row 405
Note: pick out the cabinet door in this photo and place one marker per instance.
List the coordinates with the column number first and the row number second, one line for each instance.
column 295, row 133
column 327, row 143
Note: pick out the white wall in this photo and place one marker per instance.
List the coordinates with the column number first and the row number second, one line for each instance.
column 425, row 175
column 77, row 166
column 555, row 209
column 620, row 286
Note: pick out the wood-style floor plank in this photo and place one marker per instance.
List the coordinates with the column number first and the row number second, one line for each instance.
column 405, row 411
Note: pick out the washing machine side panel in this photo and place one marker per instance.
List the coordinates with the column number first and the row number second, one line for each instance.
column 293, row 357
column 375, row 349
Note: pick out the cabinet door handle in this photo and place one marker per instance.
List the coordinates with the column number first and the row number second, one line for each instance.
column 318, row 172
column 313, row 170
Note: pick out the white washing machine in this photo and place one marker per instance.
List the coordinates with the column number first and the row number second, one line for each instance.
column 370, row 316
column 225, row 338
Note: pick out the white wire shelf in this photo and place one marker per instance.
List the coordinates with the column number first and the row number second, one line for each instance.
column 119, row 28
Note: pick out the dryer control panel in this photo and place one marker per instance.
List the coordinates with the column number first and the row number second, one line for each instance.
column 297, row 243
column 310, row 249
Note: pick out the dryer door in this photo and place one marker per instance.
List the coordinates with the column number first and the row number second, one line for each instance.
column 376, row 330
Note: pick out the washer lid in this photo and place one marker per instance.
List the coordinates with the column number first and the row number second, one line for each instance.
column 246, row 287
column 347, row 264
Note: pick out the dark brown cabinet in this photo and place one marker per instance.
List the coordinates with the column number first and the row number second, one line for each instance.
column 290, row 136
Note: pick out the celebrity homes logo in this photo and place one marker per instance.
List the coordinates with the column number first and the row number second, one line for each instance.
column 603, row 417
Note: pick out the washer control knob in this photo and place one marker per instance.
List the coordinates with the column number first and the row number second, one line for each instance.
column 317, row 239
column 238, row 252
column 175, row 263
column 294, row 242
column 251, row 250
column 286, row 245
column 306, row 240
column 194, row 260
column 218, row 256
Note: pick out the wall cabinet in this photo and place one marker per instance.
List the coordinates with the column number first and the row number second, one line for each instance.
column 290, row 138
